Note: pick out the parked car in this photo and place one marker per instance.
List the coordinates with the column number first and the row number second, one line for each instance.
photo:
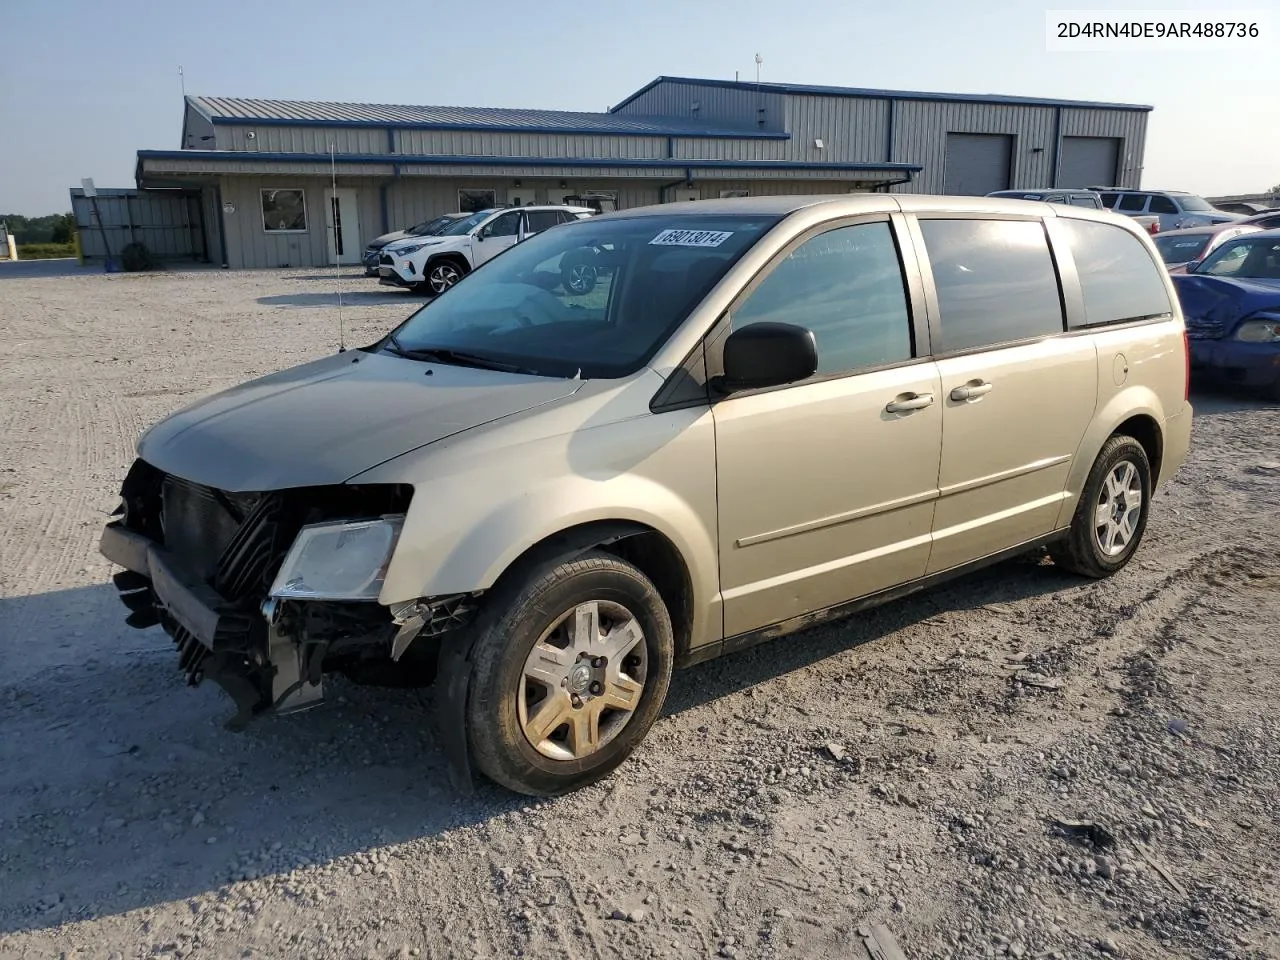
column 1267, row 220
column 1180, row 247
column 1247, row 207
column 427, row 228
column 599, row 202
column 1175, row 208
column 434, row 264
column 1231, row 300
column 556, row 500
column 1075, row 198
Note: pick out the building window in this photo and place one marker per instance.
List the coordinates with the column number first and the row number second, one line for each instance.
column 284, row 211
column 473, row 201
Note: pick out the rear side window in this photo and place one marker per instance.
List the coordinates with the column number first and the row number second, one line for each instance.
column 1119, row 278
column 995, row 279
column 1109, row 200
column 1091, row 202
column 846, row 286
column 1161, row 204
column 540, row 220
column 1133, row 202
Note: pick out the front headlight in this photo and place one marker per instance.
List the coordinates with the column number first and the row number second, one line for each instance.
column 1265, row 329
column 406, row 251
column 338, row 561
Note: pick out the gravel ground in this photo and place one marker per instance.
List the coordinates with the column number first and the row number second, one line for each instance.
column 913, row 767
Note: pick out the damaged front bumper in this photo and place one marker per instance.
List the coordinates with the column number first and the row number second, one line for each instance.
column 250, row 657
column 201, row 563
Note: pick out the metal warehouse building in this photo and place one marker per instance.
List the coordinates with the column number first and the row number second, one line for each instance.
column 260, row 172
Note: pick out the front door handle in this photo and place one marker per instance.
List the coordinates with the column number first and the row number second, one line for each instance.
column 971, row 390
column 915, row 401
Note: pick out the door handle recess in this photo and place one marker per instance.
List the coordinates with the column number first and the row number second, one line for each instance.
column 914, row 402
column 971, row 391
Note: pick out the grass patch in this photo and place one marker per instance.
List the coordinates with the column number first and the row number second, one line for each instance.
column 45, row 251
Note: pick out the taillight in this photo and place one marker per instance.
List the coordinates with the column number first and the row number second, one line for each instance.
column 1186, row 354
column 1154, row 228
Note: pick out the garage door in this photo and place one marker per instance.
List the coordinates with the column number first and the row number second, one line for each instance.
column 977, row 163
column 1088, row 162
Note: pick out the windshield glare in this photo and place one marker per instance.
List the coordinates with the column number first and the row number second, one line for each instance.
column 1252, row 259
column 429, row 227
column 591, row 298
column 1175, row 249
column 465, row 225
column 1194, row 204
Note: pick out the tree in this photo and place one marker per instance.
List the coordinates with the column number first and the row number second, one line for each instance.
column 38, row 229
column 64, row 229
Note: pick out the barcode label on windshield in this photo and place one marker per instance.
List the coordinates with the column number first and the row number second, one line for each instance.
column 691, row 238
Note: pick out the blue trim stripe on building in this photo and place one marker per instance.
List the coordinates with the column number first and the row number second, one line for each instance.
column 871, row 93
column 238, row 156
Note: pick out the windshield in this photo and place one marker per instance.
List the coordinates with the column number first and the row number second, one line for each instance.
column 1254, row 259
column 1194, row 204
column 1180, row 249
column 465, row 225
column 430, row 227
column 590, row 298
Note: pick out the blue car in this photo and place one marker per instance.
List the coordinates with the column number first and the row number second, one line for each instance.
column 1231, row 302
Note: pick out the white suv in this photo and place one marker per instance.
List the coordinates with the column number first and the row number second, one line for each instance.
column 1175, row 208
column 434, row 264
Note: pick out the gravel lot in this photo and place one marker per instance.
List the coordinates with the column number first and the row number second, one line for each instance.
column 907, row 768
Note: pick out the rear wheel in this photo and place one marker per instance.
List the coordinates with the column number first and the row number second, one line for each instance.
column 1111, row 516
column 570, row 670
column 440, row 275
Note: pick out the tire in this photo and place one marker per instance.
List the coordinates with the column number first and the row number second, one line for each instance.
column 440, row 275
column 1096, row 550
column 503, row 691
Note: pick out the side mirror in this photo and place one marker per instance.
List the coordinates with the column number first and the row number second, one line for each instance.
column 767, row 355
column 1190, row 266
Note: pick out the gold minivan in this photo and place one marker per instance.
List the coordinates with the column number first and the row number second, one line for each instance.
column 652, row 437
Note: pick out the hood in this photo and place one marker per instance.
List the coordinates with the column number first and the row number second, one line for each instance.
column 1223, row 301
column 323, row 422
column 442, row 242
column 1203, row 219
column 377, row 243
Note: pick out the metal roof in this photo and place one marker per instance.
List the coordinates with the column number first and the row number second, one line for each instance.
column 240, row 112
column 826, row 91
column 411, row 160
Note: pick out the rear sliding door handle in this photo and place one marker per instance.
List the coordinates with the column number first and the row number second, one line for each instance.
column 971, row 391
column 905, row 404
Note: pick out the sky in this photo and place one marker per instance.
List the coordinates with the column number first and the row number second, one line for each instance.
column 84, row 85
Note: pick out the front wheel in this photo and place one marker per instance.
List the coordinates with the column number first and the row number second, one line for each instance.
column 579, row 277
column 441, row 275
column 570, row 670
column 1111, row 516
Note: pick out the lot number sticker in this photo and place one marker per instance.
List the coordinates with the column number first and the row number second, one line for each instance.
column 691, row 238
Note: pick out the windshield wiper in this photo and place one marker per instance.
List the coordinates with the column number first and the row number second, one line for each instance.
column 459, row 358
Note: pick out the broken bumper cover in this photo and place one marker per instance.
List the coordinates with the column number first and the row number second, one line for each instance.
column 194, row 606
column 237, row 648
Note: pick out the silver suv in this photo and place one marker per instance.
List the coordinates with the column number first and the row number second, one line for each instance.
column 762, row 414
column 1175, row 208
column 1075, row 198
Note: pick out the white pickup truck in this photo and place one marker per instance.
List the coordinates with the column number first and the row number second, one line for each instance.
column 1151, row 224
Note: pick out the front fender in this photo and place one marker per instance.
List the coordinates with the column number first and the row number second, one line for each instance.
column 479, row 507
